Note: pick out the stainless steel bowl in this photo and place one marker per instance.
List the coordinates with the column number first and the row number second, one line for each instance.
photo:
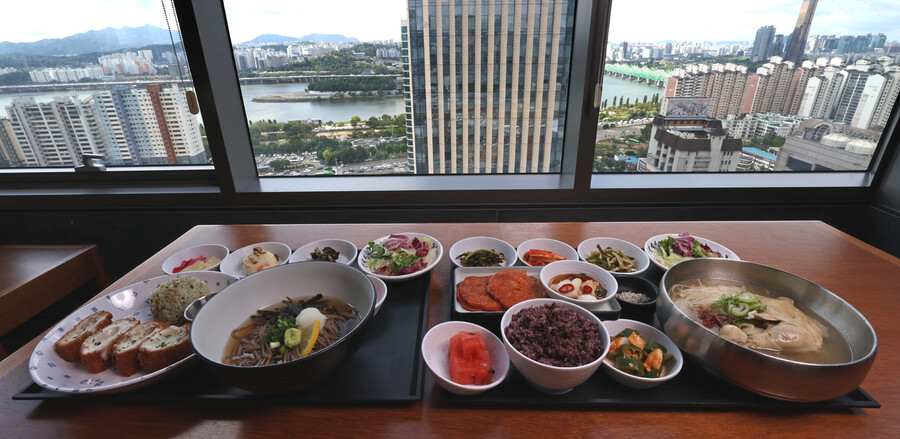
column 760, row 373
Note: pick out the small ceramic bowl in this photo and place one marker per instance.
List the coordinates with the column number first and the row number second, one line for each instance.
column 641, row 260
column 346, row 251
column 435, row 347
column 543, row 377
column 208, row 250
column 637, row 311
column 648, row 333
column 233, row 264
column 651, row 247
column 380, row 291
column 606, row 279
column 558, row 247
column 483, row 242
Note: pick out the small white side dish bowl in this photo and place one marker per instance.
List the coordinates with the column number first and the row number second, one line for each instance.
column 233, row 264
column 346, row 249
column 434, row 256
column 641, row 260
column 208, row 250
column 558, row 247
column 435, row 347
column 380, row 291
column 648, row 333
column 483, row 242
column 606, row 279
column 651, row 247
column 543, row 377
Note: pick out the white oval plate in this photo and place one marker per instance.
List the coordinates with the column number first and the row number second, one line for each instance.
column 50, row 371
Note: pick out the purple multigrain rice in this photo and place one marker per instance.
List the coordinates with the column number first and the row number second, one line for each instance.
column 555, row 335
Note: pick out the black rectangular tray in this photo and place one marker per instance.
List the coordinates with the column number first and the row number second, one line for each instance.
column 693, row 388
column 387, row 368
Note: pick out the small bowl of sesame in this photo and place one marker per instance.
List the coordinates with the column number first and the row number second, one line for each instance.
column 637, row 297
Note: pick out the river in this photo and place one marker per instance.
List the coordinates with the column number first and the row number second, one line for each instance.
column 339, row 110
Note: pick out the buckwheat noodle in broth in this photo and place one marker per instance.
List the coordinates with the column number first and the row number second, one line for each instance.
column 249, row 345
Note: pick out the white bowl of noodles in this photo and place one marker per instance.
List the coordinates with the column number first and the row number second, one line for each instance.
column 217, row 328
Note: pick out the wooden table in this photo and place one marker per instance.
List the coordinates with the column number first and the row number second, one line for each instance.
column 36, row 276
column 864, row 276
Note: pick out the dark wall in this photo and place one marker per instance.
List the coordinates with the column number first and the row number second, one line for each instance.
column 128, row 236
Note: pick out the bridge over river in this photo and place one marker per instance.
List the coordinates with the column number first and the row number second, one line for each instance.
column 106, row 85
column 655, row 77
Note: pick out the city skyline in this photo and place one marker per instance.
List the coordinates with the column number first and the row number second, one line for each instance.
column 247, row 20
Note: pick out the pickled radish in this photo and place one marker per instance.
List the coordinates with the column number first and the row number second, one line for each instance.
column 470, row 361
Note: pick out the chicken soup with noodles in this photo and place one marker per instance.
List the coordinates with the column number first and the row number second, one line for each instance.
column 752, row 318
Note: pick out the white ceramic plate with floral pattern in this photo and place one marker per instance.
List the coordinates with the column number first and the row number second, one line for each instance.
column 52, row 372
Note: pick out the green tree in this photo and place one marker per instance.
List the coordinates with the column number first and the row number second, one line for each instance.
column 278, row 165
column 354, row 120
column 372, row 122
column 615, row 98
column 327, row 157
column 645, row 99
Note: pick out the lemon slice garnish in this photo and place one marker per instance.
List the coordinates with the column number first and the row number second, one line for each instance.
column 310, row 340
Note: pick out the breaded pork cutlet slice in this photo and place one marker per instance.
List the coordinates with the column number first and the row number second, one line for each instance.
column 96, row 351
column 69, row 346
column 166, row 347
column 125, row 351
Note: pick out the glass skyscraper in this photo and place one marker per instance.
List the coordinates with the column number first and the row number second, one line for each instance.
column 487, row 85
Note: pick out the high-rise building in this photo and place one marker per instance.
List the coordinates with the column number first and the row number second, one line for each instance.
column 56, row 133
column 10, row 154
column 796, row 44
column 127, row 126
column 762, row 44
column 488, row 84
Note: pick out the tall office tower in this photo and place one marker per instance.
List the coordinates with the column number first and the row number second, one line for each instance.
column 762, row 44
column 858, row 76
column 878, row 41
column 56, row 133
column 778, row 45
column 797, row 41
column 10, row 154
column 149, row 126
column 488, row 85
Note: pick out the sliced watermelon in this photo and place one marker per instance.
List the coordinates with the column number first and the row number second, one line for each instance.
column 470, row 362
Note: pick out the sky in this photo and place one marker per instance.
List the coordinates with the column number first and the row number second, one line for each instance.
column 728, row 20
column 634, row 21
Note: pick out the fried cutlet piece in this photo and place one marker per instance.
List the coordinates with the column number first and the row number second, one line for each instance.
column 472, row 295
column 510, row 287
column 96, row 351
column 69, row 346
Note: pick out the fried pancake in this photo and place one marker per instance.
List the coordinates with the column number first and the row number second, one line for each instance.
column 472, row 295
column 537, row 288
column 510, row 287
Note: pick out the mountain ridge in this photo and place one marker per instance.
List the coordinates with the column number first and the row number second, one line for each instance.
column 103, row 40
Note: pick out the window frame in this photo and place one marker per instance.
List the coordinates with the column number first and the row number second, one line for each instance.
column 233, row 178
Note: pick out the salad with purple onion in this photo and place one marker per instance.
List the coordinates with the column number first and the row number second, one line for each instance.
column 673, row 250
column 398, row 255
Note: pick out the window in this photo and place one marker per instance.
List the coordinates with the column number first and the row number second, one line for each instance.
column 791, row 86
column 497, row 105
column 74, row 82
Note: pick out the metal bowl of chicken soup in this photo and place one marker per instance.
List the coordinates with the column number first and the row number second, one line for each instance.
column 765, row 329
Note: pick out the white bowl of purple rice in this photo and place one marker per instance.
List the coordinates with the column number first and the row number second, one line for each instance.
column 557, row 362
